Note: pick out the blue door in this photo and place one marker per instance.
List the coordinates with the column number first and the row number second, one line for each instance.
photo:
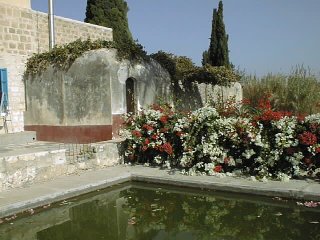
column 4, row 87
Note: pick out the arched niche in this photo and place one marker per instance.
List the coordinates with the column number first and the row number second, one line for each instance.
column 130, row 95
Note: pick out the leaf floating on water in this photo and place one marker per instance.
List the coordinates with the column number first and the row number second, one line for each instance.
column 278, row 214
column 277, row 198
column 132, row 221
column 309, row 204
column 46, row 206
column 31, row 211
column 64, row 202
column 314, row 222
column 156, row 210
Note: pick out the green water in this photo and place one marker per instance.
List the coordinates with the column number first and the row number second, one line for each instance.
column 152, row 212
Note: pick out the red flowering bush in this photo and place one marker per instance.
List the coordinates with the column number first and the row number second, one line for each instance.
column 153, row 136
column 307, row 138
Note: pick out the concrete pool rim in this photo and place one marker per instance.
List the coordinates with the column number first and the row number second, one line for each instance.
column 18, row 200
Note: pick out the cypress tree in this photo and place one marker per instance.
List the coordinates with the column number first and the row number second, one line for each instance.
column 218, row 53
column 112, row 14
column 205, row 58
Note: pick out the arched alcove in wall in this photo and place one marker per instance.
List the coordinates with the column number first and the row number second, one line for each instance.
column 130, row 95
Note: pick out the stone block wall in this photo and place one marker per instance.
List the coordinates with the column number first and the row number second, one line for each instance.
column 24, row 32
column 25, row 169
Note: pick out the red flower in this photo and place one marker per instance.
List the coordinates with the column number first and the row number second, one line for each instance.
column 307, row 161
column 154, row 136
column 144, row 148
column 164, row 119
column 166, row 147
column 136, row 133
column 217, row 168
column 157, row 108
column 318, row 150
column 301, row 117
column 290, row 150
column 179, row 134
column 147, row 127
column 146, row 141
column 164, row 130
column 307, row 138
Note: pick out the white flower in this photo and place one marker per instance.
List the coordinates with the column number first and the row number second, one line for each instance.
column 283, row 177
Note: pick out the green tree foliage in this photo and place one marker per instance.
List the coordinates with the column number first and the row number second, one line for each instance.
column 218, row 53
column 205, row 58
column 112, row 14
column 181, row 68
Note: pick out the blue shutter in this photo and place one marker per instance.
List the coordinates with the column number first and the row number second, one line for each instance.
column 4, row 86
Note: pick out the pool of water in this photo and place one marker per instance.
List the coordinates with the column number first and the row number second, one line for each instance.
column 136, row 211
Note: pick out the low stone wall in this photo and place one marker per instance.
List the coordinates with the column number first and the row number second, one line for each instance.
column 192, row 96
column 25, row 169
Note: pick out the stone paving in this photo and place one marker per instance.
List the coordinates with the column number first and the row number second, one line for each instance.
column 17, row 200
column 27, row 148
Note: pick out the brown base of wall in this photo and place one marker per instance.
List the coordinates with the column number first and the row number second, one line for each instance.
column 72, row 134
column 117, row 122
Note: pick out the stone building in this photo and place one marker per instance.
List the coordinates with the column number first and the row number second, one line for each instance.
column 24, row 32
column 86, row 102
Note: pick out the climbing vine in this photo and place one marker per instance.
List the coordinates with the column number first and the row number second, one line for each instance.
column 63, row 56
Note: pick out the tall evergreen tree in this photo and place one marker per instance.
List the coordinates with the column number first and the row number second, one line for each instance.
column 112, row 14
column 218, row 53
column 205, row 58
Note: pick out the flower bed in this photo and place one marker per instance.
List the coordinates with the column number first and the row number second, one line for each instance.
column 260, row 142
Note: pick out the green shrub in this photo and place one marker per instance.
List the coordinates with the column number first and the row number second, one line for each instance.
column 298, row 92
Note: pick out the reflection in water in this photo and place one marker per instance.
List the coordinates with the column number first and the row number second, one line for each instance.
column 142, row 212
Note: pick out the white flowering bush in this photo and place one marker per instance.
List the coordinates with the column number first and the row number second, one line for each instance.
column 209, row 141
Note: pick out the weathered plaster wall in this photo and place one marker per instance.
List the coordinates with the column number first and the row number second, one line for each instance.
column 151, row 83
column 89, row 98
column 192, row 96
column 24, row 32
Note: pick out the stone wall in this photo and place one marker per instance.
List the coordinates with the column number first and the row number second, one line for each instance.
column 17, row 3
column 192, row 96
column 24, row 32
column 25, row 169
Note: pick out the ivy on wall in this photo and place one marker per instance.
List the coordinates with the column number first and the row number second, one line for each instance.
column 63, row 56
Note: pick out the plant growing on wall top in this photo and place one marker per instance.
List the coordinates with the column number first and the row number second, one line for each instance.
column 63, row 56
column 183, row 69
